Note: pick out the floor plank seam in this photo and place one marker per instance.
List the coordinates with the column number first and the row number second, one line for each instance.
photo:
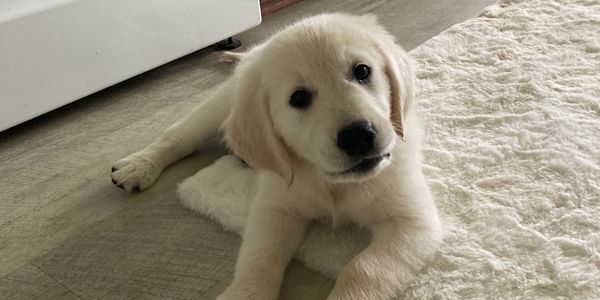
column 57, row 281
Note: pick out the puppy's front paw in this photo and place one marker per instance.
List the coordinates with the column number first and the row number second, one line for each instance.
column 134, row 173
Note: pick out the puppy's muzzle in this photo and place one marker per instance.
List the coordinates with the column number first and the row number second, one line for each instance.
column 357, row 139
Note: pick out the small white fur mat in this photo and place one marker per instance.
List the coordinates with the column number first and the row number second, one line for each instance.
column 511, row 101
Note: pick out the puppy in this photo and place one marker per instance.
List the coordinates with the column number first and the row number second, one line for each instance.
column 324, row 110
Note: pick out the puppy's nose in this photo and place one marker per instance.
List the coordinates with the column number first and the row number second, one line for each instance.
column 357, row 139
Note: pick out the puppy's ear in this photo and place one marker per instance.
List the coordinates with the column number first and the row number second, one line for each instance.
column 401, row 78
column 250, row 134
column 399, row 72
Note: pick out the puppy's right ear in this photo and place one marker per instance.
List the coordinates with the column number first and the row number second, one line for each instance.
column 250, row 134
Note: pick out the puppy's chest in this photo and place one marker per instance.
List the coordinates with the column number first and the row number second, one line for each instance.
column 334, row 206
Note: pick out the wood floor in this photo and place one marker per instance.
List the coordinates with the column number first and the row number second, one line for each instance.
column 67, row 233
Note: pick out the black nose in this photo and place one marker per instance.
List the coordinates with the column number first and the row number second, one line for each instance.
column 357, row 138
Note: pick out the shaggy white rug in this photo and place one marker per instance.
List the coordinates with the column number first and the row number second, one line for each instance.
column 511, row 101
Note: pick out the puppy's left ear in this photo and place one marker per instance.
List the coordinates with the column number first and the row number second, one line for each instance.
column 400, row 75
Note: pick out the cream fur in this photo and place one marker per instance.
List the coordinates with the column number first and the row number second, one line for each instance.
column 301, row 169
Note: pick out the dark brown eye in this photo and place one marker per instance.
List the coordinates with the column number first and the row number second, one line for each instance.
column 300, row 99
column 362, row 73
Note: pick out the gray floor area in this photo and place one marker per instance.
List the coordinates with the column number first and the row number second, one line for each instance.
column 66, row 232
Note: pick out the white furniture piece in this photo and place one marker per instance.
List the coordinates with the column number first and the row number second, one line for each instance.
column 53, row 52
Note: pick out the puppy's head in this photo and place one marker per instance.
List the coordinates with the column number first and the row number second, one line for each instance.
column 332, row 91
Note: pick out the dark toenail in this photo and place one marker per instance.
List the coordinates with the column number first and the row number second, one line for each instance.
column 113, row 169
column 114, row 181
column 121, row 186
column 136, row 188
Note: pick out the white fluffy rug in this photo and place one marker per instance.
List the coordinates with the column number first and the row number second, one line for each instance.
column 511, row 100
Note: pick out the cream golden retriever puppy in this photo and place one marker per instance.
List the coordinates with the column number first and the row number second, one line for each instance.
column 324, row 110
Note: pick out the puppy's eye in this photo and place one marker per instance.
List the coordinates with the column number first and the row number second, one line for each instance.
column 362, row 73
column 300, row 99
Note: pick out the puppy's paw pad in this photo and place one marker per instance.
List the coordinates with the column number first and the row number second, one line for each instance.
column 134, row 173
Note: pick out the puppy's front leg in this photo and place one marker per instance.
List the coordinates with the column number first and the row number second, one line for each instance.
column 398, row 249
column 271, row 237
column 139, row 170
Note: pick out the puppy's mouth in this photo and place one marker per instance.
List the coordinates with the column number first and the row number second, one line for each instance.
column 367, row 164
column 364, row 166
